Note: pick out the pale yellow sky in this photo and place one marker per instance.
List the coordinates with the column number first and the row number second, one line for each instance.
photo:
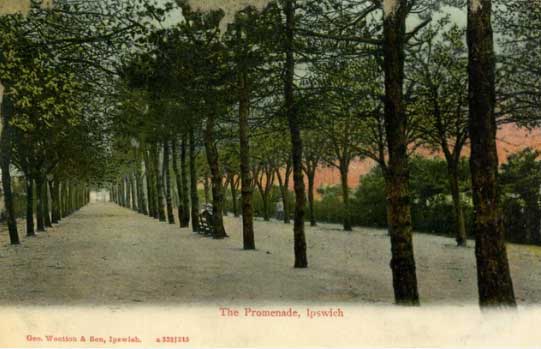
column 231, row 6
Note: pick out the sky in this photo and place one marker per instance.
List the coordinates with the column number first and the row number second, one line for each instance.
column 231, row 6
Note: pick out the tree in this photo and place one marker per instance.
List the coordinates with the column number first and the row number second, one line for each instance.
column 181, row 181
column 402, row 262
column 493, row 276
column 299, row 238
column 264, row 169
column 518, row 24
column 439, row 69
column 313, row 153
column 521, row 177
column 5, row 161
column 245, row 35
column 340, row 121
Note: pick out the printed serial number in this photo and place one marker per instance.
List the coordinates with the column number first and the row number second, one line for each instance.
column 172, row 339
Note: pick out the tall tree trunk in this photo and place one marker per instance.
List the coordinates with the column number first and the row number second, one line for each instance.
column 493, row 276
column 185, row 218
column 180, row 207
column 234, row 197
column 40, row 209
column 62, row 190
column 120, row 192
column 5, row 161
column 167, row 177
column 140, row 189
column 283, row 183
column 112, row 195
column 67, row 198
column 46, row 211
column 216, row 178
column 193, row 184
column 460, row 224
column 206, row 189
column 299, row 244
column 248, row 238
column 265, row 188
column 345, row 196
column 30, row 229
column 265, row 199
column 152, row 211
column 398, row 198
column 127, row 185
column 71, row 189
column 159, row 183
column 133, row 190
column 311, row 184
column 55, row 214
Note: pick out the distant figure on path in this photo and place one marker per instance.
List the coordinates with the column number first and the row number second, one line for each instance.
column 280, row 210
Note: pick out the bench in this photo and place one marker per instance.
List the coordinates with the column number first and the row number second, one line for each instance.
column 205, row 223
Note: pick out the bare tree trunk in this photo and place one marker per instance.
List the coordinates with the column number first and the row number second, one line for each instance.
column 283, row 183
column 206, row 189
column 5, row 161
column 167, row 176
column 299, row 244
column 133, row 189
column 140, row 189
column 493, row 276
column 311, row 179
column 265, row 188
column 185, row 220
column 39, row 209
column 128, row 191
column 234, row 197
column 460, row 224
column 193, row 184
column 159, row 183
column 62, row 190
column 30, row 230
column 245, row 173
column 46, row 212
column 55, row 214
column 119, row 189
column 180, row 207
column 265, row 201
column 113, row 196
column 216, row 179
column 152, row 211
column 345, row 196
column 400, row 229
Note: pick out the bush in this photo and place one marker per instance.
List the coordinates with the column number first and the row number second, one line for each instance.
column 520, row 179
column 431, row 202
column 368, row 205
column 329, row 208
column 257, row 202
column 19, row 198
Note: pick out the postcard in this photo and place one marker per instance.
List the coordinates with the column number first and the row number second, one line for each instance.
column 270, row 173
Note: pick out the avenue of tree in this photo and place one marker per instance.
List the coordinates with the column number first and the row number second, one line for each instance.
column 160, row 114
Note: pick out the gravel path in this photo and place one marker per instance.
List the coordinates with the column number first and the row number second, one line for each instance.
column 108, row 255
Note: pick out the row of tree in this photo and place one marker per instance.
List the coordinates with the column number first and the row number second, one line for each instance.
column 55, row 67
column 343, row 79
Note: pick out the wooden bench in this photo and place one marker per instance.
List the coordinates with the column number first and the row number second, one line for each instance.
column 205, row 223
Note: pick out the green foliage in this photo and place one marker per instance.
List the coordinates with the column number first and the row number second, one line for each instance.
column 329, row 208
column 518, row 24
column 257, row 202
column 521, row 187
column 369, row 204
column 432, row 208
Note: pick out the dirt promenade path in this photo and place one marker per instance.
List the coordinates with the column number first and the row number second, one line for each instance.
column 108, row 255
